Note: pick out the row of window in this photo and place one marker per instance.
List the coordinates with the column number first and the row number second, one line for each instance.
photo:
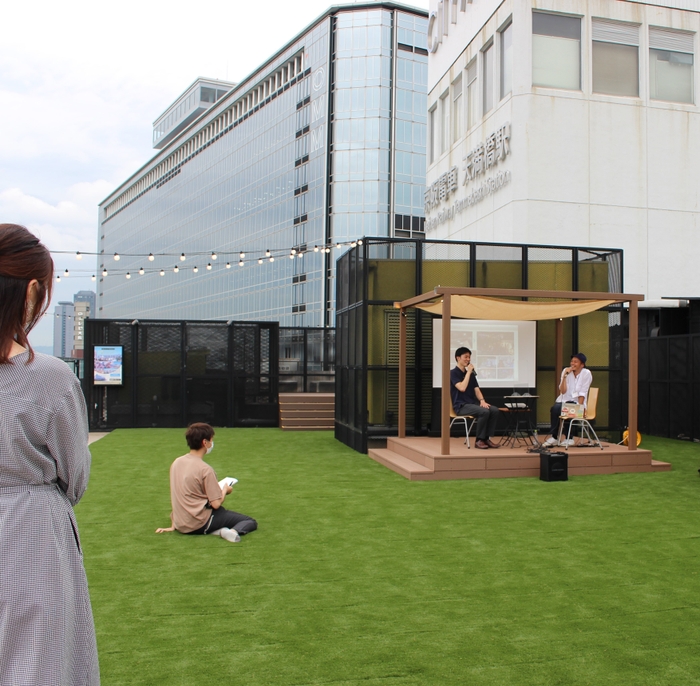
column 254, row 98
column 556, row 57
column 458, row 107
column 556, row 63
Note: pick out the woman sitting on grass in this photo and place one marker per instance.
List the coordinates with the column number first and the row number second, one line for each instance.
column 197, row 496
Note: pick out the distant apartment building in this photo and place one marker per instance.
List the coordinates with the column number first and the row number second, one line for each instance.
column 248, row 204
column 63, row 329
column 69, row 325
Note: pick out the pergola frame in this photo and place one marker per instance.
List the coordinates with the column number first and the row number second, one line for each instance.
column 446, row 295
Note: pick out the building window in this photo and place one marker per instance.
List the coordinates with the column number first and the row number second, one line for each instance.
column 487, row 78
column 506, row 60
column 556, row 51
column 615, row 57
column 472, row 95
column 671, row 65
column 444, row 122
column 432, row 125
column 457, row 108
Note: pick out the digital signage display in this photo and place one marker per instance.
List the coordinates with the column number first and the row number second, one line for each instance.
column 108, row 365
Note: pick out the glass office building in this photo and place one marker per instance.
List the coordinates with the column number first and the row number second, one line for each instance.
column 244, row 213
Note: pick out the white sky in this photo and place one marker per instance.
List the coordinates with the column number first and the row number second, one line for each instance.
column 80, row 86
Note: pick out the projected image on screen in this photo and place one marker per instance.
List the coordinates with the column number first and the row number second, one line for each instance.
column 503, row 353
column 494, row 354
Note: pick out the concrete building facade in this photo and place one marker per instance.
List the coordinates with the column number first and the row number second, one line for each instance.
column 570, row 122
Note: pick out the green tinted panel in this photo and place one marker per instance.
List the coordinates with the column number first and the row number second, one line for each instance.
column 391, row 279
column 593, row 276
column 447, row 273
column 550, row 276
column 499, row 274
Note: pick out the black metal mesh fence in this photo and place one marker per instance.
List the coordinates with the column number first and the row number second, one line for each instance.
column 371, row 277
column 178, row 372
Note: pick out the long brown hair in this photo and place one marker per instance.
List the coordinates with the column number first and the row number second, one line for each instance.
column 22, row 258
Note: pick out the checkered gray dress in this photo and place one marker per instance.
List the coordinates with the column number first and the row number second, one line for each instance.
column 47, row 636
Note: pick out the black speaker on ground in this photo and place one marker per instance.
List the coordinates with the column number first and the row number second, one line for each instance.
column 554, row 466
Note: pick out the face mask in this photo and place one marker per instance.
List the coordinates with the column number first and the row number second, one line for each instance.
column 210, row 448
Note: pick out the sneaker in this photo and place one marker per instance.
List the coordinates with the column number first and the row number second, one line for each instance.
column 550, row 442
column 567, row 443
column 231, row 535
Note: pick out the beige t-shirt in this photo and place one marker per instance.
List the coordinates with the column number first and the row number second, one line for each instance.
column 193, row 484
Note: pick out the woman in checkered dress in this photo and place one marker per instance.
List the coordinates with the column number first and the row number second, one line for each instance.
column 47, row 636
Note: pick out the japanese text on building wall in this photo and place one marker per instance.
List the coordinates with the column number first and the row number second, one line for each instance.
column 476, row 162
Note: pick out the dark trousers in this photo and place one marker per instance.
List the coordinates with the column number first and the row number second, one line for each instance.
column 222, row 518
column 486, row 418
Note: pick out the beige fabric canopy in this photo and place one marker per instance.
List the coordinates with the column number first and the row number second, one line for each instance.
column 475, row 307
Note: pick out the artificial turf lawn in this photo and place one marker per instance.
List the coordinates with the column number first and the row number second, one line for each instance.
column 358, row 576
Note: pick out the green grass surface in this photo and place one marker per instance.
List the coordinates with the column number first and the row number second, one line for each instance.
column 357, row 576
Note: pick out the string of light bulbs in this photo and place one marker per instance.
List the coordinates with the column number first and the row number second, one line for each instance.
column 243, row 259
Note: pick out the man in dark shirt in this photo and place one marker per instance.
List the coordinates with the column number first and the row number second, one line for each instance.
column 467, row 399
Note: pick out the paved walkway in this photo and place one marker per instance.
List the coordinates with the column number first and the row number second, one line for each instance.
column 96, row 435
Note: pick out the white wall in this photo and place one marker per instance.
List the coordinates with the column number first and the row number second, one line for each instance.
column 586, row 169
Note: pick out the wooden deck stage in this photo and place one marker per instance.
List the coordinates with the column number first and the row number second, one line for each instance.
column 418, row 459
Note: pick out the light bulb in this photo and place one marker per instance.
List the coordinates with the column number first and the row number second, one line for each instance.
column 291, row 256
column 195, row 270
column 353, row 244
column 104, row 272
column 294, row 251
column 176, row 269
column 58, row 277
column 359, row 242
column 66, row 273
column 128, row 275
column 272, row 259
column 93, row 278
column 209, row 265
column 214, row 256
column 228, row 265
column 150, row 257
column 116, row 257
column 241, row 263
column 78, row 256
column 300, row 254
column 142, row 271
column 162, row 272
column 337, row 245
column 242, row 255
column 267, row 253
column 315, row 248
column 182, row 257
column 260, row 261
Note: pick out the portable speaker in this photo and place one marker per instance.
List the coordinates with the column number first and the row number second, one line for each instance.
column 554, row 466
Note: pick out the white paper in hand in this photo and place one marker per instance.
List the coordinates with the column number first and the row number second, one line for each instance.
column 227, row 481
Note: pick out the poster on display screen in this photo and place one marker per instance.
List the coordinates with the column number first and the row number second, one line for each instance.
column 108, row 365
column 503, row 353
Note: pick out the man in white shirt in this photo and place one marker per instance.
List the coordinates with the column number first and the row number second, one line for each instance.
column 575, row 381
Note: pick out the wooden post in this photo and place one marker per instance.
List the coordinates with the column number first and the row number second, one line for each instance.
column 633, row 355
column 446, row 352
column 558, row 353
column 402, row 373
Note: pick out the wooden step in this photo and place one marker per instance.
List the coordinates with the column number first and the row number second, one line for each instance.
column 399, row 464
column 307, row 411
column 307, row 398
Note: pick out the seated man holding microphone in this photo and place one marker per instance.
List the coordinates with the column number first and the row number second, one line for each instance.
column 575, row 381
column 467, row 399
